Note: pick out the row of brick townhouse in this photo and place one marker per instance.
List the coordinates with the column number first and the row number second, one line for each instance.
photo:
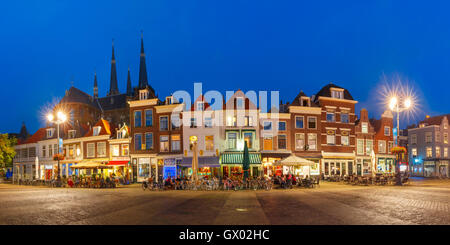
column 143, row 136
column 96, row 145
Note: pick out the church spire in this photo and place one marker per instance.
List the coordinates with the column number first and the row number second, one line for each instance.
column 95, row 86
column 143, row 80
column 113, row 87
column 129, row 83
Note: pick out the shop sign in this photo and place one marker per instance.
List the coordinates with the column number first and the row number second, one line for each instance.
column 428, row 163
column 169, row 162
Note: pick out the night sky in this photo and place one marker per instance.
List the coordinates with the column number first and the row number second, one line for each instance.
column 260, row 45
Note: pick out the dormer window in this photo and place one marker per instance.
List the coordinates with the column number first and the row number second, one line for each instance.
column 50, row 132
column 121, row 134
column 71, row 134
column 338, row 94
column 143, row 94
column 96, row 130
column 169, row 100
column 200, row 106
column 305, row 102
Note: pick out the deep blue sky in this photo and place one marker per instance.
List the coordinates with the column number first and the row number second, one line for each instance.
column 260, row 45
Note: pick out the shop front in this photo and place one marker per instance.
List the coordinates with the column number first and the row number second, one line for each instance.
column 443, row 169
column 341, row 164
column 143, row 168
column 121, row 168
column 385, row 165
column 429, row 169
column 363, row 166
column 170, row 167
column 231, row 164
column 207, row 167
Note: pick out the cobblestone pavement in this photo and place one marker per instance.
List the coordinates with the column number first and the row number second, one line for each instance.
column 422, row 202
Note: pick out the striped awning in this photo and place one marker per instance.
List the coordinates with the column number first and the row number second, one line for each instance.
column 236, row 158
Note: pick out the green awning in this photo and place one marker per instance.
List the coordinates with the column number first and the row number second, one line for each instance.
column 236, row 158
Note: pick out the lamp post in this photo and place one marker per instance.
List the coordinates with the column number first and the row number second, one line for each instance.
column 394, row 105
column 60, row 118
column 193, row 140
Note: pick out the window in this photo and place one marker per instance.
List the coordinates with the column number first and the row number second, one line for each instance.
column 71, row 134
column 148, row 118
column 344, row 118
column 169, row 100
column 267, row 125
column 414, row 152
column 101, row 149
column 231, row 121
column 232, row 139
column 164, row 123
column 445, row 138
column 209, row 143
column 382, row 146
column 312, row 122
column 208, row 122
column 282, row 141
column 200, row 106
column 43, row 151
column 369, row 147
column 414, row 139
column 330, row 117
column 337, row 94
column 298, row 122
column 428, row 137
column 137, row 119
column 268, row 143
column 429, row 152
column 50, row 133
column 125, row 150
column 331, row 137
column 164, row 143
column 78, row 150
column 193, row 122
column 138, row 142
column 344, row 140
column 387, row 131
column 312, row 142
column 90, row 150
column 71, row 149
column 175, row 121
column 50, row 152
column 96, row 131
column 248, row 121
column 438, row 136
column 115, row 151
column 240, row 103
column 176, row 142
column 445, row 152
column 143, row 94
column 438, row 151
column 364, row 128
column 390, row 145
column 360, row 146
column 299, row 142
column 148, row 141
column 248, row 137
column 55, row 148
column 282, row 126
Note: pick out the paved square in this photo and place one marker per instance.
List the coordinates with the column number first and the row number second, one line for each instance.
column 422, row 202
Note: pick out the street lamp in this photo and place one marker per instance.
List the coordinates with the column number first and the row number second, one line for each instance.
column 60, row 118
column 394, row 105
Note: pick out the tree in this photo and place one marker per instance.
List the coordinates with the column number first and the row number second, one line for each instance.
column 7, row 151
